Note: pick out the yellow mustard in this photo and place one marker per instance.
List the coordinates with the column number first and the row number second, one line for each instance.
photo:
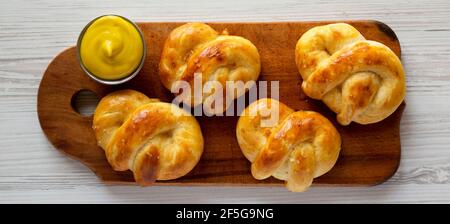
column 111, row 48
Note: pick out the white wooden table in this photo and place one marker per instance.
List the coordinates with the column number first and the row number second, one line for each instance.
column 33, row 32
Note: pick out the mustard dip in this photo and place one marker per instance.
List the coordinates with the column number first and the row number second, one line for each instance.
column 111, row 48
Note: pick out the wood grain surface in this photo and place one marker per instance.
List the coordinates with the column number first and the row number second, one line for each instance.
column 370, row 153
column 33, row 32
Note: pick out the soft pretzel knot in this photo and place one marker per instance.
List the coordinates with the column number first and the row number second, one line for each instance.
column 298, row 147
column 360, row 80
column 195, row 50
column 155, row 140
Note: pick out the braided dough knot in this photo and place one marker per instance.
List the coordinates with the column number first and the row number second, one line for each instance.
column 298, row 147
column 360, row 80
column 155, row 140
column 195, row 50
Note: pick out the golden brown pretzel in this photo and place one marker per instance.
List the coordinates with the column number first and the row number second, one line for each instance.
column 360, row 80
column 195, row 48
column 297, row 147
column 156, row 140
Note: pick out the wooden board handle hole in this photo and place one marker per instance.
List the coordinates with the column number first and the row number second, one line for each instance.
column 84, row 102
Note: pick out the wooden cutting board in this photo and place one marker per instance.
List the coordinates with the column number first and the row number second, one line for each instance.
column 370, row 153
